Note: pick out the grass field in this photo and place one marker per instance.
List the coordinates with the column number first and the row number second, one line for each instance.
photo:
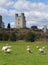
column 19, row 55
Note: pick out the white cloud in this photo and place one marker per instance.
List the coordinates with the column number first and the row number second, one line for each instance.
column 35, row 12
column 13, row 25
column 12, row 12
column 2, row 2
column 30, row 23
column 3, row 11
column 5, row 3
column 9, row 3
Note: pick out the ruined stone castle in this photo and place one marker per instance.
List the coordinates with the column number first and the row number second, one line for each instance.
column 1, row 22
column 20, row 21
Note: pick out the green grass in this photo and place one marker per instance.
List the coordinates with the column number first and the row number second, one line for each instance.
column 19, row 55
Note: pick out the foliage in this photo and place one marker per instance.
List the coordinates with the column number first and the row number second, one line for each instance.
column 5, row 36
column 8, row 26
column 13, row 36
column 1, row 36
column 22, row 34
column 34, row 27
column 30, row 37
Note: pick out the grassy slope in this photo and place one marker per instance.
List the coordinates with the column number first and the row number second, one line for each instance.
column 19, row 56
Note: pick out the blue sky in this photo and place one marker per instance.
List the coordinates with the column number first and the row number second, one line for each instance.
column 43, row 1
column 36, row 11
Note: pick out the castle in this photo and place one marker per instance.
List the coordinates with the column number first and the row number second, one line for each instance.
column 1, row 23
column 45, row 29
column 20, row 21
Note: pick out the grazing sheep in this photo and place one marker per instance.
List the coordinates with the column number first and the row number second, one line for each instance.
column 6, row 48
column 41, row 50
column 28, row 49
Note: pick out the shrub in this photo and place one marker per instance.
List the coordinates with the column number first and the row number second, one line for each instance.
column 5, row 36
column 12, row 36
column 1, row 36
column 30, row 37
column 20, row 36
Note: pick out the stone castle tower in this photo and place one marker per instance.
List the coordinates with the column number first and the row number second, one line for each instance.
column 1, row 23
column 45, row 29
column 20, row 21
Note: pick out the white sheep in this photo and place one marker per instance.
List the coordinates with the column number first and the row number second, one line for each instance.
column 41, row 50
column 6, row 48
column 28, row 49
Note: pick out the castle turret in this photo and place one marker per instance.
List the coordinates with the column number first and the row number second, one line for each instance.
column 16, row 15
column 22, row 14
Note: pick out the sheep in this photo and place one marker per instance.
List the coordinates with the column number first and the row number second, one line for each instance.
column 6, row 48
column 41, row 50
column 28, row 49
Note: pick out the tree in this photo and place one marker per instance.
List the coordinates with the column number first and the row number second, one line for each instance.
column 34, row 27
column 30, row 37
column 8, row 26
column 1, row 36
column 6, row 36
column 13, row 36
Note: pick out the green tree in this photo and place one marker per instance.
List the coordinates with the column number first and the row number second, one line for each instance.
column 1, row 36
column 5, row 36
column 13, row 36
column 8, row 26
column 30, row 36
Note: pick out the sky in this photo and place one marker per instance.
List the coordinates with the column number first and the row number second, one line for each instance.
column 36, row 12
